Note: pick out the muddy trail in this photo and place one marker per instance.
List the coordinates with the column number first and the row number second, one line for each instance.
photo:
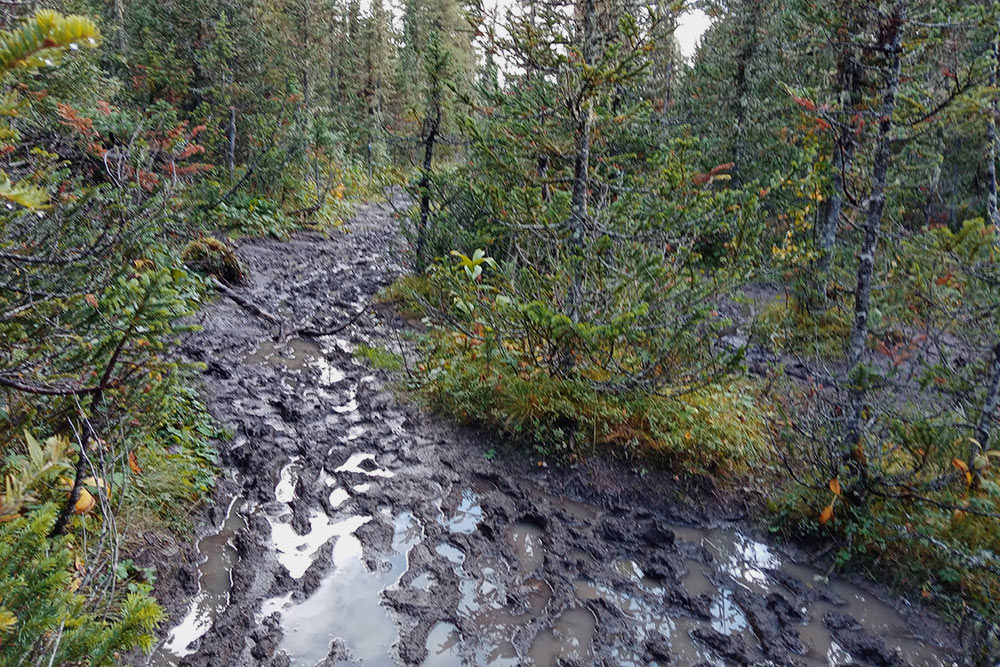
column 351, row 528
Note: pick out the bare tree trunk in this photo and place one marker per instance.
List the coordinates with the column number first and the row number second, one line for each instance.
column 231, row 140
column 432, row 125
column 843, row 154
column 668, row 91
column 425, row 187
column 542, row 164
column 120, row 27
column 543, row 173
column 743, row 67
column 984, row 426
column 992, row 215
column 891, row 45
column 581, row 165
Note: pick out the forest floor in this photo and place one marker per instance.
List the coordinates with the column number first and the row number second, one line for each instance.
column 353, row 527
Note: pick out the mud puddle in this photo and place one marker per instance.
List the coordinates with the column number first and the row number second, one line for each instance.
column 373, row 533
column 214, row 583
column 344, row 619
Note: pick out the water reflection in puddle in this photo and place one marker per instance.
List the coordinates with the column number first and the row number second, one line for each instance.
column 297, row 354
column 338, row 497
column 284, row 492
column 727, row 617
column 451, row 552
column 296, row 551
column 526, row 537
column 214, row 583
column 569, row 639
column 467, row 515
column 354, row 464
column 443, row 646
column 347, row 605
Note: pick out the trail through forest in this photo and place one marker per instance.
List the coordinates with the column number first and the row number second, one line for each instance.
column 354, row 528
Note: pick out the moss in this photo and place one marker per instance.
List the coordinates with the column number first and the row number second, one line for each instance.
column 790, row 327
column 380, row 358
column 409, row 296
column 212, row 257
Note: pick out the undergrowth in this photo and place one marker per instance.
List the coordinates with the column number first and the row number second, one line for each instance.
column 719, row 428
column 788, row 326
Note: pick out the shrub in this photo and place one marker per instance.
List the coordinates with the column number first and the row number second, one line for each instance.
column 43, row 619
column 704, row 427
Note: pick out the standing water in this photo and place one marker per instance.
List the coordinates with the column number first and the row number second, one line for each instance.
column 214, row 583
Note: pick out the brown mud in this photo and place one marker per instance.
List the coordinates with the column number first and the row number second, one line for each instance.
column 351, row 527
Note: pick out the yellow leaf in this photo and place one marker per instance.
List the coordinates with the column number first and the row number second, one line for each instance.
column 97, row 482
column 7, row 620
column 835, row 486
column 826, row 515
column 85, row 502
column 25, row 195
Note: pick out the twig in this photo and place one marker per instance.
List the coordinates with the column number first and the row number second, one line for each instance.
column 283, row 328
column 310, row 331
column 245, row 304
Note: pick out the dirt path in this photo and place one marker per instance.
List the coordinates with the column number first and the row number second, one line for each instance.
column 352, row 528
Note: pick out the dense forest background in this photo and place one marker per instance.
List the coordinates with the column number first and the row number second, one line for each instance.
column 774, row 264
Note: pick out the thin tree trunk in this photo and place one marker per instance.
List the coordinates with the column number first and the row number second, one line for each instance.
column 984, row 426
column 543, row 159
column 120, row 27
column 74, row 495
column 543, row 174
column 742, row 82
column 432, row 124
column 581, row 168
column 992, row 215
column 231, row 140
column 425, row 190
column 86, row 431
column 668, row 91
column 843, row 155
column 891, row 46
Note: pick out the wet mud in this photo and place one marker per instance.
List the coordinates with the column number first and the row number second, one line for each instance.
column 353, row 528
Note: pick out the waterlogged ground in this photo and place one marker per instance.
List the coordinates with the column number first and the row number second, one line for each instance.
column 353, row 529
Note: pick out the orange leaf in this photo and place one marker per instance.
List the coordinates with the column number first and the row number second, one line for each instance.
column 826, row 515
column 960, row 464
column 134, row 464
column 91, row 299
column 835, row 485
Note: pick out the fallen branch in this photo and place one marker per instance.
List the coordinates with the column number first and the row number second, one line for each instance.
column 313, row 332
column 246, row 305
column 284, row 331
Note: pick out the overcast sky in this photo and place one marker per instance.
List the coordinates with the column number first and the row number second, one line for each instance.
column 689, row 30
